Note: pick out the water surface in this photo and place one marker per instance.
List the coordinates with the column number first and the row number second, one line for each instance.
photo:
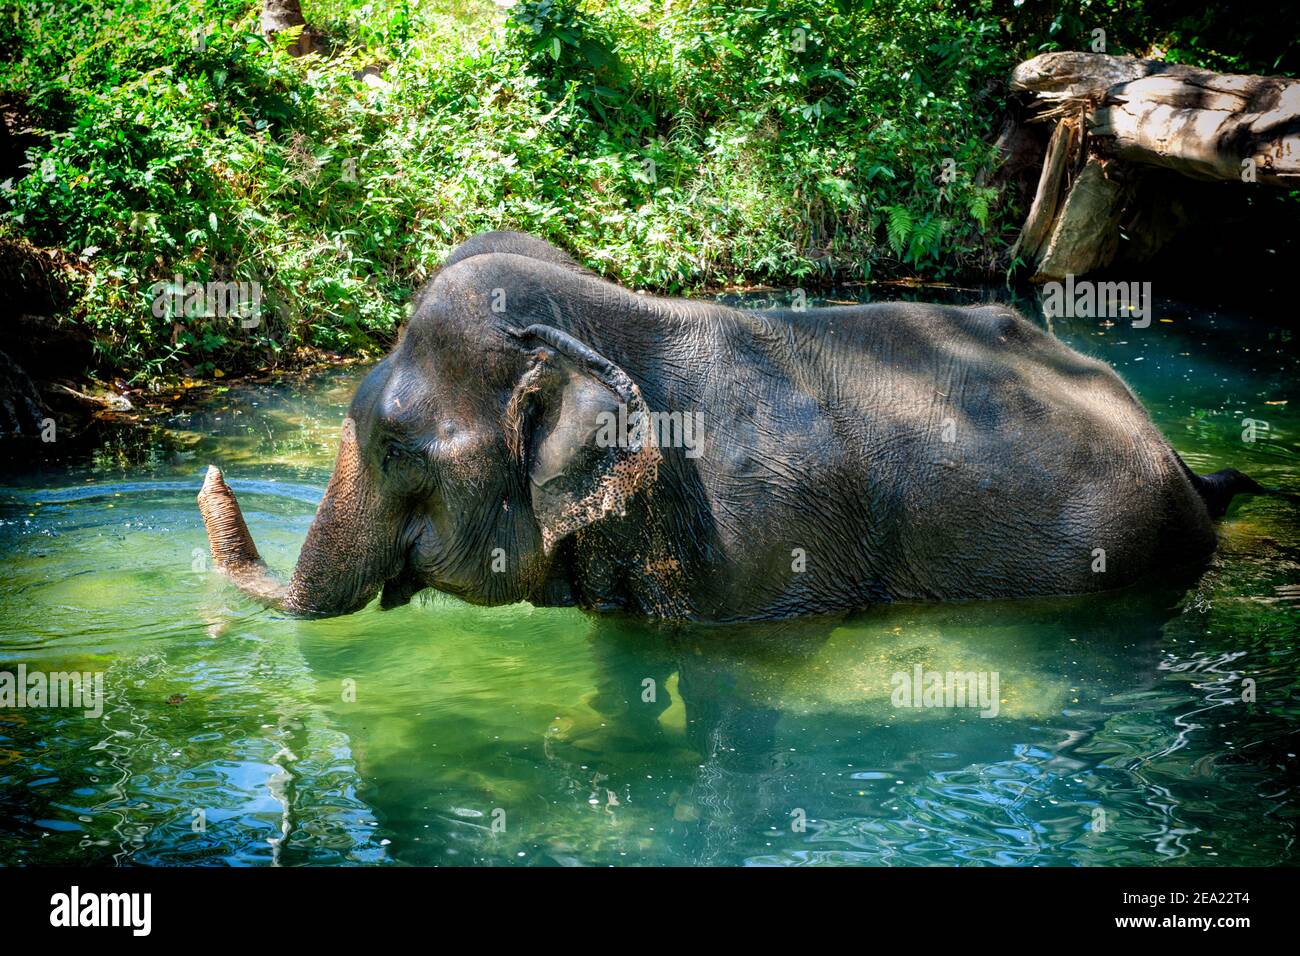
column 441, row 733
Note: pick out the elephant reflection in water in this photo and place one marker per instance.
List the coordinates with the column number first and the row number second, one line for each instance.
column 778, row 717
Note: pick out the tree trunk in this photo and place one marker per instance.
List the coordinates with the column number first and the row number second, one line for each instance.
column 1085, row 235
column 1052, row 187
column 280, row 16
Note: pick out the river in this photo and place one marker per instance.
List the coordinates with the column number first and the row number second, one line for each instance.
column 1132, row 728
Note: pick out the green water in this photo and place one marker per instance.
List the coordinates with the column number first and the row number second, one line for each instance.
column 441, row 733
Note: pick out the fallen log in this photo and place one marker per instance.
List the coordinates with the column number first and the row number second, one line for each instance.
column 1070, row 75
column 1241, row 128
column 1115, row 117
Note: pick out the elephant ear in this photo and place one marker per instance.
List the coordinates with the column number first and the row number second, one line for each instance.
column 584, row 430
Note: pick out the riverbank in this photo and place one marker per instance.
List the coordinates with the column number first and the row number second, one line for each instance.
column 54, row 358
column 150, row 147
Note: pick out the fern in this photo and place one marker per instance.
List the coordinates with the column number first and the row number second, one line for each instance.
column 978, row 205
column 925, row 238
column 898, row 227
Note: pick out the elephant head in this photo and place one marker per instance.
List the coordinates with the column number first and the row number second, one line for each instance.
column 467, row 456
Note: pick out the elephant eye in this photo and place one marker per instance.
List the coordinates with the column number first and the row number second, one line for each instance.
column 397, row 458
column 407, row 468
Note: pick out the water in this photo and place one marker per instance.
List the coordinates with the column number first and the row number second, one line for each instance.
column 445, row 734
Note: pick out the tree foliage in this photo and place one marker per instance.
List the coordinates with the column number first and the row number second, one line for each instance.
column 671, row 145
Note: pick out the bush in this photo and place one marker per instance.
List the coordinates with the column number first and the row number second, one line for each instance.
column 672, row 146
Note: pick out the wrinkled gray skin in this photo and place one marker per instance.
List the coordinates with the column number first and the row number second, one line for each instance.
column 849, row 456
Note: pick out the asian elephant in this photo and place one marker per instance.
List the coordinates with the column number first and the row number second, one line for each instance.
column 541, row 434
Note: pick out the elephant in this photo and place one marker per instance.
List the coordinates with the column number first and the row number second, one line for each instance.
column 539, row 433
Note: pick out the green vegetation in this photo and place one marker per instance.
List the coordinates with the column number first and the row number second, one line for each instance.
column 671, row 145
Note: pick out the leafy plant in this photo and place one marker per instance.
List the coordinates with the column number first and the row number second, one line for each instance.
column 671, row 145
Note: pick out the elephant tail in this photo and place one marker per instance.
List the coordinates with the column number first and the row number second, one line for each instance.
column 1218, row 489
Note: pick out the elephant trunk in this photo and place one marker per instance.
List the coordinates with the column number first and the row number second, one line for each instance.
column 339, row 568
column 233, row 550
